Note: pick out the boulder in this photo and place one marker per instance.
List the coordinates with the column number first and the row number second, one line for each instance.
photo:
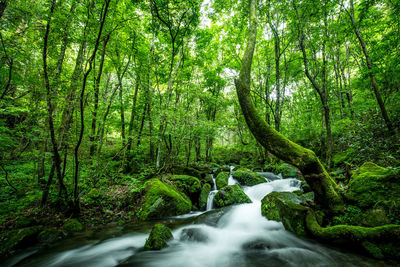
column 222, row 179
column 18, row 239
column 247, row 177
column 229, row 195
column 289, row 208
column 343, row 157
column 161, row 200
column 194, row 235
column 205, row 191
column 372, row 185
column 49, row 235
column 23, row 222
column 158, row 238
column 72, row 225
column 187, row 184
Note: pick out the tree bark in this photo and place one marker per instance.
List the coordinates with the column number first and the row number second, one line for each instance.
column 56, row 155
column 92, row 137
column 76, row 208
column 368, row 61
column 325, row 189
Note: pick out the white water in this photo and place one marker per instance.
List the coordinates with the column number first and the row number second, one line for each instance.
column 240, row 237
column 211, row 195
column 231, row 180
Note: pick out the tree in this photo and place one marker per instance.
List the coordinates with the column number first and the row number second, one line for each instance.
column 325, row 189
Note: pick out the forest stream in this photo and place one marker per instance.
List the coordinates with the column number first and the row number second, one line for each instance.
column 233, row 236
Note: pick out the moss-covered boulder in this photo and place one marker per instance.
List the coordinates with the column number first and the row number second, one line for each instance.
column 22, row 222
column 229, row 195
column 158, row 238
column 223, row 168
column 72, row 226
column 372, row 185
column 343, row 157
column 247, row 177
column 185, row 170
column 50, row 235
column 205, row 191
column 222, row 179
column 162, row 200
column 287, row 170
column 187, row 184
column 18, row 239
column 380, row 242
column 289, row 208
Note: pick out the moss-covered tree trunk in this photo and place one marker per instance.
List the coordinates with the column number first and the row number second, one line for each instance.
column 325, row 189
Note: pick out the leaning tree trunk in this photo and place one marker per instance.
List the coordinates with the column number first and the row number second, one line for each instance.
column 325, row 189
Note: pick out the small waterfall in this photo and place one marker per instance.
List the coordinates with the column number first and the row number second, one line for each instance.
column 231, row 180
column 215, row 184
column 210, row 199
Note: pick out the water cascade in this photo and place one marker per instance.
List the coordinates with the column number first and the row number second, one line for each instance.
column 231, row 180
column 233, row 236
column 210, row 198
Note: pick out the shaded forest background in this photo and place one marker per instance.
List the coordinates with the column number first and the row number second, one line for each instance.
column 103, row 94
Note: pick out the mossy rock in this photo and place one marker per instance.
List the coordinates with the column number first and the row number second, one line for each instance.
column 289, row 208
column 158, row 238
column 188, row 184
column 184, row 170
column 380, row 242
column 50, row 235
column 223, row 168
column 72, row 226
column 222, row 179
column 247, row 177
column 230, row 195
column 23, row 222
column 18, row 239
column 287, row 170
column 373, row 185
column 343, row 157
column 162, row 200
column 205, row 191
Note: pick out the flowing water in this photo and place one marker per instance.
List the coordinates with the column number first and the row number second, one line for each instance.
column 234, row 236
column 231, row 180
column 211, row 195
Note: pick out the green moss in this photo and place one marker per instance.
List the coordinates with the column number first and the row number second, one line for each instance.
column 222, row 179
column 230, row 195
column 205, row 191
column 373, row 250
column 188, row 184
column 352, row 215
column 372, row 184
column 343, row 157
column 269, row 208
column 23, row 222
column 247, row 177
column 372, row 239
column 72, row 225
column 94, row 193
column 158, row 237
column 50, row 235
column 162, row 200
column 288, row 208
column 18, row 239
column 286, row 170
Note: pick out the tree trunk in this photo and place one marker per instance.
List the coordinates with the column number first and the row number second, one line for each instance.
column 370, row 67
column 325, row 189
column 76, row 208
column 92, row 137
column 56, row 155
